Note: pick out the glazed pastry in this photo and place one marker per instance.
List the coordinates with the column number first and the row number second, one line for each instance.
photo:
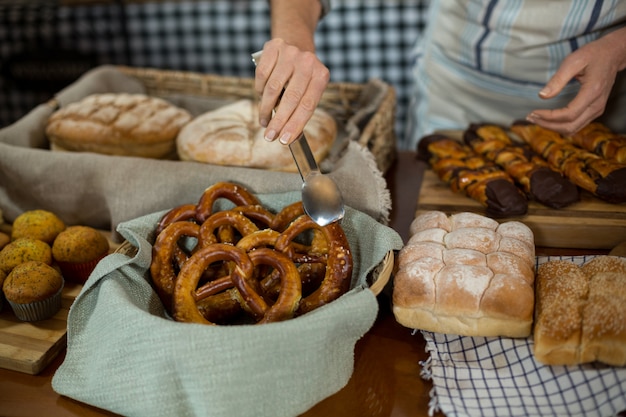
column 597, row 138
column 469, row 173
column 603, row 178
column 531, row 172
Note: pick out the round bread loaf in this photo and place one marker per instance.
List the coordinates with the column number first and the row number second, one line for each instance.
column 118, row 124
column 466, row 274
column 231, row 135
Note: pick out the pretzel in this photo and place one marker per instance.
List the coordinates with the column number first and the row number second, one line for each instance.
column 165, row 251
column 229, row 218
column 339, row 261
column 246, row 262
column 242, row 277
column 233, row 192
column 186, row 212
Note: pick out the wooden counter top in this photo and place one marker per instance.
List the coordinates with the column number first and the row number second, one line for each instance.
column 386, row 379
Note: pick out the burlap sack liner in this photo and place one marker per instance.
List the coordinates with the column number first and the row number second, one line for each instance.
column 102, row 191
column 125, row 355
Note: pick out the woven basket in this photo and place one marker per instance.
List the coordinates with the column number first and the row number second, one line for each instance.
column 342, row 100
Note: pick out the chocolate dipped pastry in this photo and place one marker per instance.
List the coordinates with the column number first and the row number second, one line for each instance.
column 599, row 139
column 531, row 172
column 603, row 178
column 469, row 173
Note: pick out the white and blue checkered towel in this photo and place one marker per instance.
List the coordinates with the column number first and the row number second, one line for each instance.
column 497, row 376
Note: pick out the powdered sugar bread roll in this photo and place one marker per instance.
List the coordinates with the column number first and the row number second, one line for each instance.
column 231, row 135
column 454, row 278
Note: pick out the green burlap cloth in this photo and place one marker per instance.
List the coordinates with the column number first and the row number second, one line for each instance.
column 125, row 355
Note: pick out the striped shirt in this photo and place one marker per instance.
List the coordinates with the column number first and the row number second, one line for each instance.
column 486, row 60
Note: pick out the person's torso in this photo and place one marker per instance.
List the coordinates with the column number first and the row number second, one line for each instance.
column 522, row 40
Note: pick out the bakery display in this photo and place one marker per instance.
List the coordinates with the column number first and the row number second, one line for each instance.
column 33, row 290
column 246, row 264
column 118, row 124
column 466, row 274
column 37, row 224
column 603, row 178
column 469, row 173
column 579, row 314
column 531, row 172
column 231, row 135
column 77, row 250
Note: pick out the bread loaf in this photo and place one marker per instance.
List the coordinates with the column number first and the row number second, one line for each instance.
column 580, row 315
column 118, row 124
column 466, row 274
column 231, row 135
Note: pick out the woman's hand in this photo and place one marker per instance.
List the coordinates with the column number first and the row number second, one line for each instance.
column 595, row 66
column 291, row 82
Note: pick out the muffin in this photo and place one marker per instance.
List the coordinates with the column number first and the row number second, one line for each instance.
column 33, row 290
column 22, row 250
column 77, row 250
column 37, row 224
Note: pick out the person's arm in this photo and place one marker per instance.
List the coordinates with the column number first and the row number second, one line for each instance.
column 595, row 66
column 289, row 62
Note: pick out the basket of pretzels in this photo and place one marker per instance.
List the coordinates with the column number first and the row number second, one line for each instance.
column 233, row 304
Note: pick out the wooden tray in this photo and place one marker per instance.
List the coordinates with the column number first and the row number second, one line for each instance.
column 587, row 224
column 30, row 346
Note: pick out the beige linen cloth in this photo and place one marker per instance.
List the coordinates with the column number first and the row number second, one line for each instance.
column 101, row 191
column 125, row 355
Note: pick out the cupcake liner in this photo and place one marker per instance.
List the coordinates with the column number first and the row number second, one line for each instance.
column 78, row 272
column 38, row 310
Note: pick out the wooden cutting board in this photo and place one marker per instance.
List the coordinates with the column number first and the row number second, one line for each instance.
column 587, row 224
column 30, row 346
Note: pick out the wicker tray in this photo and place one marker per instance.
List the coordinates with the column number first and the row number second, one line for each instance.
column 342, row 100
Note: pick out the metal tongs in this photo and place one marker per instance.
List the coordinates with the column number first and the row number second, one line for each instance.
column 321, row 198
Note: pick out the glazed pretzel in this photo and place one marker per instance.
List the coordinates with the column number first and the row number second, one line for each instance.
column 246, row 260
column 339, row 261
column 186, row 212
column 232, row 219
column 242, row 277
column 166, row 253
column 237, row 194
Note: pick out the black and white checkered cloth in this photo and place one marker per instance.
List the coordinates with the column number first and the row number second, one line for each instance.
column 497, row 376
column 357, row 40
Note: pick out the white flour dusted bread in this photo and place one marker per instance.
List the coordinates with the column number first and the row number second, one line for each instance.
column 580, row 314
column 118, row 124
column 231, row 135
column 466, row 274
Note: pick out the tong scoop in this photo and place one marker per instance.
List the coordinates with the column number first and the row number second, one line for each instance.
column 321, row 198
